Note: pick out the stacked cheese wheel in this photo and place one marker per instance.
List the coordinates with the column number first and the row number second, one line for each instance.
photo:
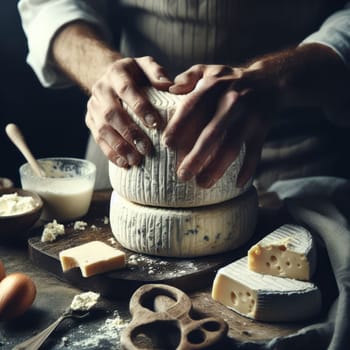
column 151, row 212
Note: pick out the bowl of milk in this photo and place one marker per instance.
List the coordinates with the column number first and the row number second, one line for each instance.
column 66, row 188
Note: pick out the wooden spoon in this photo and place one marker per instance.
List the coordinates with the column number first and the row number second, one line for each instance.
column 17, row 138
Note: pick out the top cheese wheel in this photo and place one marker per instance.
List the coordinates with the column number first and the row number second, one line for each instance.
column 155, row 182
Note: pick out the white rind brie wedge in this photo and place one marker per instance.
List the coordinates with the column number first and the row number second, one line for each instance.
column 186, row 232
column 289, row 251
column 264, row 297
column 155, row 182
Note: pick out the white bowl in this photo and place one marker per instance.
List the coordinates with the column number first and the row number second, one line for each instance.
column 66, row 189
column 15, row 228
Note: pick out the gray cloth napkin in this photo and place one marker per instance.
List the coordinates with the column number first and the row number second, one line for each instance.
column 321, row 204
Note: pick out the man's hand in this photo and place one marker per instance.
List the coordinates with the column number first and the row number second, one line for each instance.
column 210, row 127
column 228, row 107
column 84, row 56
column 121, row 140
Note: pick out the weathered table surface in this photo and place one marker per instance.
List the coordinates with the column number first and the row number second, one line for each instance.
column 103, row 328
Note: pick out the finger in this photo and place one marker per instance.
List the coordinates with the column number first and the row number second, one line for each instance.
column 125, row 81
column 225, row 156
column 111, row 112
column 186, row 81
column 210, row 139
column 250, row 79
column 240, row 132
column 108, row 151
column 254, row 144
column 123, row 139
column 194, row 112
column 154, row 72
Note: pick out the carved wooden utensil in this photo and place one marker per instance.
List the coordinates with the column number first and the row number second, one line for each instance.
column 162, row 318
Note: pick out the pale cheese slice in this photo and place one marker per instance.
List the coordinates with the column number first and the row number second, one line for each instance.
column 187, row 232
column 155, row 182
column 92, row 258
column 264, row 297
column 288, row 251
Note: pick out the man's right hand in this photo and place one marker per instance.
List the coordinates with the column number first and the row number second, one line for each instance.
column 121, row 140
column 80, row 52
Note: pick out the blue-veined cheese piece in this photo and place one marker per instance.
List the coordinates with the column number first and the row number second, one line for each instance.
column 155, row 182
column 187, row 232
column 265, row 297
column 289, row 251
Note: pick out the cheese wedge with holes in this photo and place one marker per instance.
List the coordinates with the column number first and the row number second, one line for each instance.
column 188, row 232
column 264, row 297
column 92, row 258
column 155, row 182
column 289, row 251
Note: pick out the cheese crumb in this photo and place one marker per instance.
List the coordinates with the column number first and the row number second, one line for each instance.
column 13, row 204
column 112, row 240
column 84, row 301
column 51, row 231
column 80, row 225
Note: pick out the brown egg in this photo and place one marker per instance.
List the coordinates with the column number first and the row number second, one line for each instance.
column 17, row 293
column 2, row 270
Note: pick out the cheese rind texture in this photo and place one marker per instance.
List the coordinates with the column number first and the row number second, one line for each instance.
column 289, row 251
column 264, row 297
column 92, row 258
column 188, row 232
column 155, row 182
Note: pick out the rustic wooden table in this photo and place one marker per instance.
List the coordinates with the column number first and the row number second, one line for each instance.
column 102, row 329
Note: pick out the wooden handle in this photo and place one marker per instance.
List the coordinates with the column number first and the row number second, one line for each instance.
column 17, row 138
column 161, row 318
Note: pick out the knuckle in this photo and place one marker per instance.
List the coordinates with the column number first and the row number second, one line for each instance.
column 108, row 114
column 110, row 153
column 124, row 86
column 123, row 64
column 198, row 67
column 129, row 134
column 97, row 87
column 89, row 104
column 139, row 105
column 101, row 132
column 145, row 60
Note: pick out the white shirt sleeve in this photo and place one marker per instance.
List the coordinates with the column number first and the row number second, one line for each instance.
column 335, row 33
column 41, row 19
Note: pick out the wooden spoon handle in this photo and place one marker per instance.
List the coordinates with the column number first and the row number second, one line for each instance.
column 17, row 138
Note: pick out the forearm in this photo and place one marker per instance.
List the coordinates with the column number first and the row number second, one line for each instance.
column 314, row 75
column 80, row 53
column 308, row 75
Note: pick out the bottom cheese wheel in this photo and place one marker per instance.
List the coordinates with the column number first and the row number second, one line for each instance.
column 189, row 232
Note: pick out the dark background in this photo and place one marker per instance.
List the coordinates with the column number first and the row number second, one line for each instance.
column 51, row 120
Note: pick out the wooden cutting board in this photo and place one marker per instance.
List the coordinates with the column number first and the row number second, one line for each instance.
column 186, row 274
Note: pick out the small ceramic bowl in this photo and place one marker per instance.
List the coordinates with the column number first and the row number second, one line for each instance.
column 14, row 228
